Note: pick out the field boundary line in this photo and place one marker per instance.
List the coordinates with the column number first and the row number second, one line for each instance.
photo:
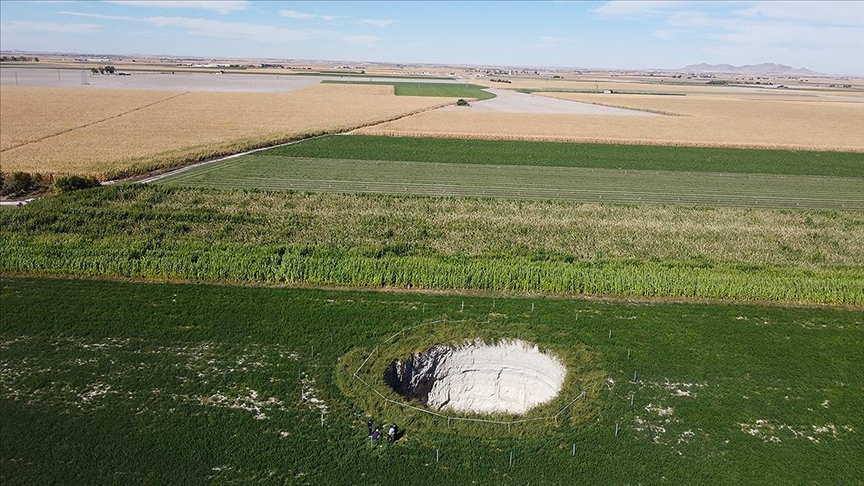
column 346, row 131
column 220, row 159
column 96, row 122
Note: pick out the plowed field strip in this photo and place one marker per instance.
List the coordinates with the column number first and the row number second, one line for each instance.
column 527, row 182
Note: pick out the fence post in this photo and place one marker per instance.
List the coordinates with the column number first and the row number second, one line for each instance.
column 436, row 455
column 511, row 458
column 574, row 450
column 616, row 429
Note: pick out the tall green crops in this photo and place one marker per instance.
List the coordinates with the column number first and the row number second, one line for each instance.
column 446, row 244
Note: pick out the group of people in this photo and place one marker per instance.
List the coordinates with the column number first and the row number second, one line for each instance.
column 375, row 432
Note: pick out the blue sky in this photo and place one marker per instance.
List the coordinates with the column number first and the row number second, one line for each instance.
column 823, row 36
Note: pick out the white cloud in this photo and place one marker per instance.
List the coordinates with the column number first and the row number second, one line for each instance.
column 22, row 26
column 236, row 30
column 99, row 16
column 763, row 32
column 836, row 13
column 635, row 9
column 292, row 14
column 218, row 6
column 376, row 23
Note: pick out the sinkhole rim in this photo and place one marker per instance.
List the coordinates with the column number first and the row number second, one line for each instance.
column 509, row 376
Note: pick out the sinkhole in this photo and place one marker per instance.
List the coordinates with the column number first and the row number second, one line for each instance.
column 511, row 377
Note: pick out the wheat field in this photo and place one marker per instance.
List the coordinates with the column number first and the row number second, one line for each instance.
column 788, row 121
column 114, row 133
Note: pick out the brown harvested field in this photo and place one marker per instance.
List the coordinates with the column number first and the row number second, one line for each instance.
column 182, row 128
column 747, row 118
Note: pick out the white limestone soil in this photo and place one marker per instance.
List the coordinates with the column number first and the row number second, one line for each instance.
column 509, row 377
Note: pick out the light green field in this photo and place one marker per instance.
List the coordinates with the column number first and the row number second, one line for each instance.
column 528, row 182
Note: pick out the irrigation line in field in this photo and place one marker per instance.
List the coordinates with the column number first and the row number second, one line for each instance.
column 441, row 415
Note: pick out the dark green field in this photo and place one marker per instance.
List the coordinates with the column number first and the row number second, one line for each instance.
column 114, row 383
column 558, row 154
column 443, row 90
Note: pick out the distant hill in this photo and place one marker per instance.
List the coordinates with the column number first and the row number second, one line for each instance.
column 764, row 68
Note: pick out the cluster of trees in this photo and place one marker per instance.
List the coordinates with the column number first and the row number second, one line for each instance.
column 18, row 59
column 103, row 70
column 20, row 183
column 17, row 184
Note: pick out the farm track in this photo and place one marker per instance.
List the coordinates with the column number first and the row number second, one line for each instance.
column 528, row 182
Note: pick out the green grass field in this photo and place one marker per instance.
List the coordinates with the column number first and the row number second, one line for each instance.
column 559, row 154
column 547, row 170
column 443, row 243
column 444, row 90
column 108, row 382
column 599, row 185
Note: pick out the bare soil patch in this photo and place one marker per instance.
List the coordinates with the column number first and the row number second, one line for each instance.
column 509, row 101
column 508, row 377
column 788, row 122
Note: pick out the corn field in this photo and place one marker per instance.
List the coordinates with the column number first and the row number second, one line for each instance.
column 448, row 244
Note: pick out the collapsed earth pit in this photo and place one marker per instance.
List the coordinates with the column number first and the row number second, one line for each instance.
column 507, row 377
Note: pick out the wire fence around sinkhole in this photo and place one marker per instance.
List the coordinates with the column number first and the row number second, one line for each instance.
column 450, row 418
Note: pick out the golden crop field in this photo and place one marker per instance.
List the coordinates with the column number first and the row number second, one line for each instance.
column 747, row 118
column 31, row 114
column 110, row 133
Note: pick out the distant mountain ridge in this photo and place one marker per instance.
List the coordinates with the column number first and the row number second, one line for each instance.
column 764, row 68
